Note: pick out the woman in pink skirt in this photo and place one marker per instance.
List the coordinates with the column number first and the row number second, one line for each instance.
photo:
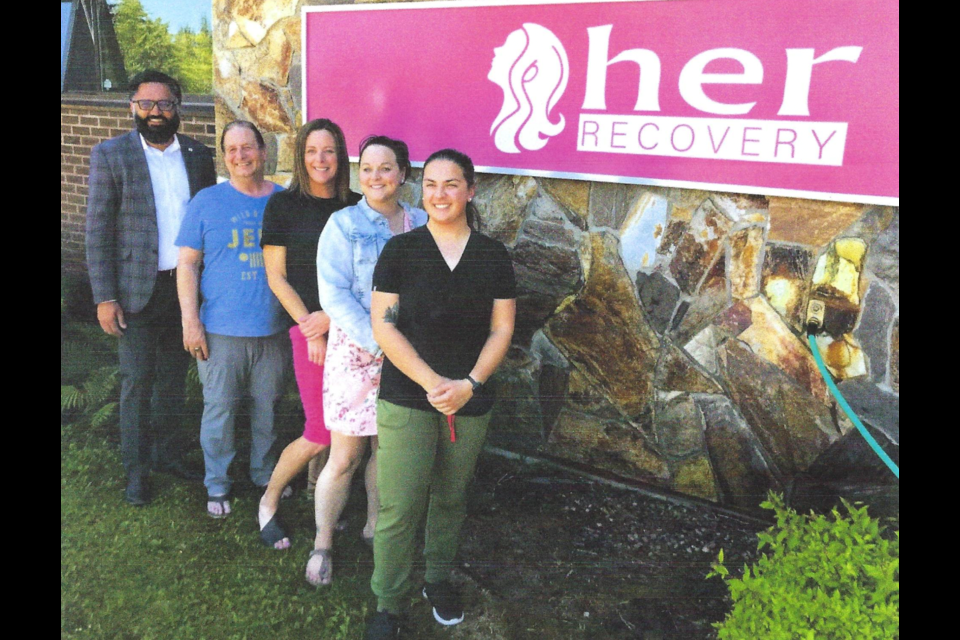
column 292, row 222
column 348, row 251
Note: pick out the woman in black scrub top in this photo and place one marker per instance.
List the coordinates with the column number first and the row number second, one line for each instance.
column 443, row 310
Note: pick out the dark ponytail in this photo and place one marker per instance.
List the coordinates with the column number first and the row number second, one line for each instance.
column 463, row 161
column 399, row 148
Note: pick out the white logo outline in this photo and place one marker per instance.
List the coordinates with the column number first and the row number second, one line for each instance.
column 532, row 69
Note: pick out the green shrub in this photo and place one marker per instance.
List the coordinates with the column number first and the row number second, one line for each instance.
column 821, row 577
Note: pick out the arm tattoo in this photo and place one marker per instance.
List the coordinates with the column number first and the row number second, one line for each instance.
column 392, row 314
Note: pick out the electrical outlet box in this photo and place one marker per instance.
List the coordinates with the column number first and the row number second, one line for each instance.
column 816, row 310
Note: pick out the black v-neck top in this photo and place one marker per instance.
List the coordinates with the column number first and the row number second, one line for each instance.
column 294, row 220
column 444, row 314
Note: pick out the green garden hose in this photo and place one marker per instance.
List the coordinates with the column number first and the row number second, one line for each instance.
column 846, row 407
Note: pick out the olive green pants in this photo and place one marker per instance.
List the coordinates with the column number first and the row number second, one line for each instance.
column 419, row 470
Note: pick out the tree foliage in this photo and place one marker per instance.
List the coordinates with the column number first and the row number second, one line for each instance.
column 147, row 43
column 194, row 53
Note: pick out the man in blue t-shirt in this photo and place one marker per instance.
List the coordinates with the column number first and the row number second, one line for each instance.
column 237, row 333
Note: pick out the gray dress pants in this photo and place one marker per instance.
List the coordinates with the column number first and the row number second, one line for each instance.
column 153, row 368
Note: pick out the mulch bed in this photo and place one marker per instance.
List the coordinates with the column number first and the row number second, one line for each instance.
column 571, row 558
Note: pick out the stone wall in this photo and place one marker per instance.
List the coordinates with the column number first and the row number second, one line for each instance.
column 86, row 120
column 660, row 331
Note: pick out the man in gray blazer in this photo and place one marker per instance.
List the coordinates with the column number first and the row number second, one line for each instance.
column 139, row 187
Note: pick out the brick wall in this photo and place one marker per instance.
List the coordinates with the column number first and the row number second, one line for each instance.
column 86, row 121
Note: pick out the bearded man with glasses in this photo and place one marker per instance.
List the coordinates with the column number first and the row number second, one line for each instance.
column 139, row 186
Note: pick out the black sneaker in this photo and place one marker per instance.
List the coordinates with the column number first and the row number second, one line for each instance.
column 383, row 626
column 443, row 597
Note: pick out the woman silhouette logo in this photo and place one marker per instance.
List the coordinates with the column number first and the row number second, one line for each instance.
column 532, row 69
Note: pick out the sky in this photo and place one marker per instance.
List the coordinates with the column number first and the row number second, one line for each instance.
column 176, row 13
column 64, row 24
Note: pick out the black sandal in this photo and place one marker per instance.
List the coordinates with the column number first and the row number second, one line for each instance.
column 223, row 501
column 325, row 575
column 273, row 532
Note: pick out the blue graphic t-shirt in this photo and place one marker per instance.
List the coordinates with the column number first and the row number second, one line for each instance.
column 226, row 225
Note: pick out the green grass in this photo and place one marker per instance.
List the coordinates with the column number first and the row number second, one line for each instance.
column 168, row 571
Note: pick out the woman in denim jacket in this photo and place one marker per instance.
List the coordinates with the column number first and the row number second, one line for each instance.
column 347, row 253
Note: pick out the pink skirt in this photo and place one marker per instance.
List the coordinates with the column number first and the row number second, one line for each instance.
column 351, row 380
column 310, row 383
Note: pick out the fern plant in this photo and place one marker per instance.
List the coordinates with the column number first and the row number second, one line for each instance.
column 94, row 402
column 821, row 577
column 89, row 375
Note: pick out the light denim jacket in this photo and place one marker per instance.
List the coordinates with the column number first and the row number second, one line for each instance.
column 349, row 247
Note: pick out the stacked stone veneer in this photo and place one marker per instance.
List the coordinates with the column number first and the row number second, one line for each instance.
column 659, row 334
column 86, row 120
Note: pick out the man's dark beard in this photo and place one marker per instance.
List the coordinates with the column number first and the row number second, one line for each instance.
column 160, row 134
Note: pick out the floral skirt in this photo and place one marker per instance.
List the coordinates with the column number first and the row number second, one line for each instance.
column 351, row 380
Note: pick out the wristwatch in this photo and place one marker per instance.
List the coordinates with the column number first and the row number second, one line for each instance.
column 477, row 386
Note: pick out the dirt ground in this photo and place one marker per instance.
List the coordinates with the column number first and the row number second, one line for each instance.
column 548, row 555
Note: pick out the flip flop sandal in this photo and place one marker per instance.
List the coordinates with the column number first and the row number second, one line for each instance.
column 325, row 575
column 272, row 532
column 223, row 501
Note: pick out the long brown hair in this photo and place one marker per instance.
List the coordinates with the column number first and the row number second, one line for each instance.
column 341, row 181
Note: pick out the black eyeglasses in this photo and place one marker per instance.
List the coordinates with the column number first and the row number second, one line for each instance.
column 148, row 105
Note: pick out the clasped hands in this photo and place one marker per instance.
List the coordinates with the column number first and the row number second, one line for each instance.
column 449, row 396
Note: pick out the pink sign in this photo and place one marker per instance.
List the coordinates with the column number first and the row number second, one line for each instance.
column 778, row 97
